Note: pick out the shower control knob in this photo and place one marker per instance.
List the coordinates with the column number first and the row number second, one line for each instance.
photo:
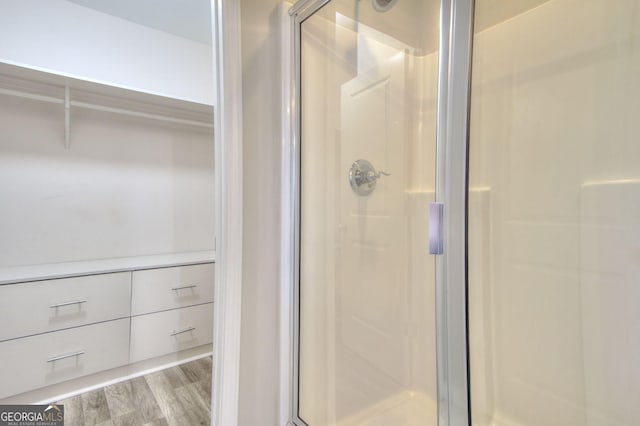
column 363, row 177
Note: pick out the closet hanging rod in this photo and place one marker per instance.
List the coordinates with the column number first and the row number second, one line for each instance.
column 103, row 108
column 122, row 111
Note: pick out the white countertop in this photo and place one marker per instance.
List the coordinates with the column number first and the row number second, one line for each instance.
column 19, row 274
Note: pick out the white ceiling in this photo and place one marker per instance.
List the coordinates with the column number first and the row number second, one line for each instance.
column 190, row 19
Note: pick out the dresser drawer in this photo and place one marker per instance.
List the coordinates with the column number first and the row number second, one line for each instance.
column 157, row 290
column 170, row 331
column 42, row 306
column 42, row 360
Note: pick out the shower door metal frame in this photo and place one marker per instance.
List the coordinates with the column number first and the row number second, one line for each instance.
column 452, row 146
column 454, row 77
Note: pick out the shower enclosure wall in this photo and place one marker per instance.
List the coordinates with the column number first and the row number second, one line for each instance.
column 537, row 280
column 553, row 214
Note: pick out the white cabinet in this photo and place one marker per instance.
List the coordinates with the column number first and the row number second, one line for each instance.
column 42, row 306
column 171, row 310
column 50, row 358
column 55, row 330
column 157, row 290
column 170, row 331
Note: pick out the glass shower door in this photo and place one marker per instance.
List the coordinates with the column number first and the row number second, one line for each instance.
column 368, row 97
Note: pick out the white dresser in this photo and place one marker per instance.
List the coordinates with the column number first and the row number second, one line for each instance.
column 55, row 330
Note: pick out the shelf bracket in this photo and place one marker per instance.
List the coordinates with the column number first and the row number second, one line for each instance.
column 67, row 118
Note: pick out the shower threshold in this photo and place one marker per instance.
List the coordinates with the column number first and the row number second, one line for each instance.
column 407, row 408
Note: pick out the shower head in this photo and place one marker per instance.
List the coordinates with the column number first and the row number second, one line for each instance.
column 383, row 5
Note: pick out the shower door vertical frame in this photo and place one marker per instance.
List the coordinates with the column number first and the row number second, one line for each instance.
column 299, row 12
column 452, row 141
column 456, row 32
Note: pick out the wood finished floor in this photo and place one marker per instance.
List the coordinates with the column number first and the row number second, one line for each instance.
column 178, row 396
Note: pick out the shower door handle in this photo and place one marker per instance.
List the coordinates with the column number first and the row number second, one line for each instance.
column 436, row 240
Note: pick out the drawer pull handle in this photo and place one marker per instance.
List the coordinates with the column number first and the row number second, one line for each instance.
column 73, row 302
column 184, row 330
column 184, row 287
column 58, row 358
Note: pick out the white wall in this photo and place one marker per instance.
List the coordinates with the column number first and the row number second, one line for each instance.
column 68, row 39
column 126, row 187
column 261, row 90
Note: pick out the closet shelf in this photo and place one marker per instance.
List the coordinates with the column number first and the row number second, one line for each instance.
column 21, row 274
column 95, row 107
column 13, row 78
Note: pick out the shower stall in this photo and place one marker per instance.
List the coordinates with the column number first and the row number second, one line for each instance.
column 466, row 204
